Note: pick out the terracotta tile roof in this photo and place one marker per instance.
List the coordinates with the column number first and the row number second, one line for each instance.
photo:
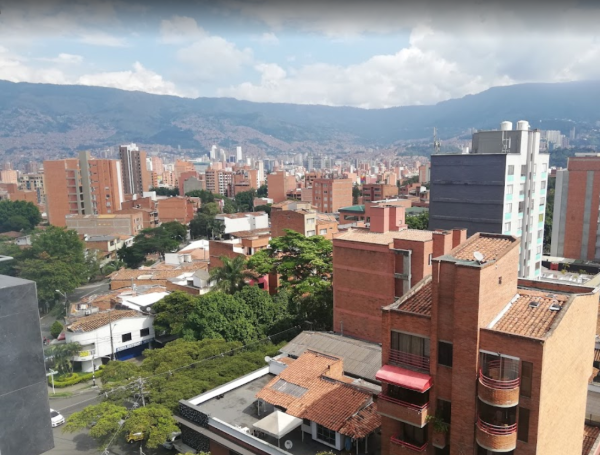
column 286, row 360
column 386, row 238
column 521, row 318
column 418, row 300
column 318, row 391
column 590, row 436
column 265, row 232
column 95, row 321
column 158, row 273
column 490, row 245
column 233, row 216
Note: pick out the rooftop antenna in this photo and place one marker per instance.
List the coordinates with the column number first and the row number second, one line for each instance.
column 478, row 257
column 436, row 142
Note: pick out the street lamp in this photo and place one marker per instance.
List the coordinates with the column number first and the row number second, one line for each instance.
column 66, row 303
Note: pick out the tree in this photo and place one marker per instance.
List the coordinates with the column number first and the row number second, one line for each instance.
column 210, row 209
column 154, row 421
column 356, row 193
column 549, row 213
column 133, row 256
column 172, row 312
column 262, row 191
column 63, row 355
column 263, row 208
column 55, row 329
column 232, row 275
column 50, row 274
column 245, row 200
column 165, row 191
column 116, row 371
column 304, row 263
column 103, row 420
column 420, row 221
column 18, row 215
column 205, row 196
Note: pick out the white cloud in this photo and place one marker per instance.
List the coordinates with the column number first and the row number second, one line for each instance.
column 180, row 29
column 64, row 58
column 268, row 38
column 140, row 79
column 14, row 68
column 103, row 39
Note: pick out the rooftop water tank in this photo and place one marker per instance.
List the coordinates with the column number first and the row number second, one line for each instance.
column 523, row 125
column 506, row 126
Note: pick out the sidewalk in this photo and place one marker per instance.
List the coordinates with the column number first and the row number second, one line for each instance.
column 75, row 389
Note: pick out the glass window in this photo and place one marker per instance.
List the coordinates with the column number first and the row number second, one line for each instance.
column 541, row 234
column 445, row 353
column 540, row 218
column 145, row 332
column 511, row 169
column 521, row 206
column 523, row 425
column 509, row 189
column 126, row 337
column 326, row 435
column 524, row 169
column 526, row 378
column 508, row 207
column 415, row 435
column 543, row 185
column 444, row 410
column 507, row 226
column 430, row 258
column 411, row 344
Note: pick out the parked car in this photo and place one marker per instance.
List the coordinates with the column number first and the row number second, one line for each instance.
column 56, row 418
column 133, row 437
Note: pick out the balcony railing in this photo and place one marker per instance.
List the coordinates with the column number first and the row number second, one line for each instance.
column 415, row 407
column 411, row 360
column 499, row 438
column 497, row 430
column 414, row 447
column 504, row 378
column 411, row 413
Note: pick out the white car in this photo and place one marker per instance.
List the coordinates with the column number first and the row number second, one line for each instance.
column 56, row 418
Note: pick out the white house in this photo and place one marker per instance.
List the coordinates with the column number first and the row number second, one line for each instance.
column 112, row 334
column 236, row 222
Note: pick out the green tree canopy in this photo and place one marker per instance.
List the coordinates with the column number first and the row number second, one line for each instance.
column 172, row 312
column 165, row 191
column 156, row 422
column 211, row 209
column 55, row 329
column 420, row 221
column 263, row 208
column 262, row 191
column 245, row 200
column 104, row 420
column 233, row 275
column 62, row 356
column 205, row 196
column 18, row 215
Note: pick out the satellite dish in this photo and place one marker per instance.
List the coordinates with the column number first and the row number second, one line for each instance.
column 267, row 359
column 478, row 256
column 288, row 444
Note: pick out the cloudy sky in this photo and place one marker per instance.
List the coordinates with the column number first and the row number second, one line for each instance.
column 367, row 54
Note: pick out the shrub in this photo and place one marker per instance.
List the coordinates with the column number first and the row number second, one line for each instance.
column 73, row 378
column 56, row 329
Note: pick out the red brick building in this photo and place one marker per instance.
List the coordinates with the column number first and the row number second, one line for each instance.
column 503, row 362
column 181, row 209
column 378, row 192
column 329, row 195
column 278, row 184
column 373, row 266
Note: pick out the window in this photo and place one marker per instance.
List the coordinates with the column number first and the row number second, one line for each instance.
column 310, row 233
column 322, row 231
column 523, row 425
column 522, row 189
column 410, row 344
column 544, row 167
column 539, row 249
column 541, row 234
column 430, row 258
column 511, row 169
column 543, row 185
column 526, row 378
column 407, row 395
column 542, row 200
column 507, row 226
column 541, row 218
column 445, row 353
column 145, row 332
column 509, row 189
column 521, row 206
column 326, row 435
column 415, row 435
column 508, row 207
column 126, row 337
column 523, row 170
column 306, row 422
column 444, row 409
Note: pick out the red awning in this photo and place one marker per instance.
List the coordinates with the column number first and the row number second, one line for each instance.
column 404, row 378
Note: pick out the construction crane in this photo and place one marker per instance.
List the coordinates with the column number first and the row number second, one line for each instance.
column 436, row 142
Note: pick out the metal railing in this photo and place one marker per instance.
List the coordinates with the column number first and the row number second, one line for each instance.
column 512, row 371
column 416, row 407
column 496, row 430
column 414, row 447
column 412, row 360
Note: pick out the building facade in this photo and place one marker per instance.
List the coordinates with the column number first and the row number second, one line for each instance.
column 378, row 191
column 575, row 227
column 494, row 358
column 329, row 195
column 128, row 224
column 500, row 187
column 136, row 178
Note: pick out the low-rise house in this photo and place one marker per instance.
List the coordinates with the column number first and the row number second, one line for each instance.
column 156, row 276
column 301, row 406
column 235, row 222
column 111, row 224
column 112, row 334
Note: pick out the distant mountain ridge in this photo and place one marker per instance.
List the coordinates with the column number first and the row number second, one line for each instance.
column 69, row 118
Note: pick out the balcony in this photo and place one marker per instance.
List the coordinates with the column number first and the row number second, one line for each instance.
column 402, row 447
column 497, row 438
column 408, row 360
column 411, row 413
column 499, row 386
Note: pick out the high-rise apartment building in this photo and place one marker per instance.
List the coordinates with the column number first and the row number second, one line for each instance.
column 218, row 181
column 136, row 178
column 500, row 188
column 84, row 186
column 239, row 156
column 378, row 191
column 9, row 176
column 34, row 182
column 278, row 184
column 329, row 195
column 503, row 362
column 575, row 227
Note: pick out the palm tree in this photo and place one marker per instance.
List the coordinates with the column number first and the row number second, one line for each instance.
column 63, row 356
column 232, row 276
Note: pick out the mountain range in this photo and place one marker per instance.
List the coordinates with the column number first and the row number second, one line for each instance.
column 64, row 119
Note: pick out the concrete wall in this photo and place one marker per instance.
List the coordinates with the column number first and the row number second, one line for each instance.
column 25, row 427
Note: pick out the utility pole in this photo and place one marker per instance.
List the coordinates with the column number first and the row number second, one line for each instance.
column 112, row 350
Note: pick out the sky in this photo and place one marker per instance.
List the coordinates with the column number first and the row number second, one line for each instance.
column 367, row 54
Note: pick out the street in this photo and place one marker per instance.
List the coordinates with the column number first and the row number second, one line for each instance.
column 81, row 443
